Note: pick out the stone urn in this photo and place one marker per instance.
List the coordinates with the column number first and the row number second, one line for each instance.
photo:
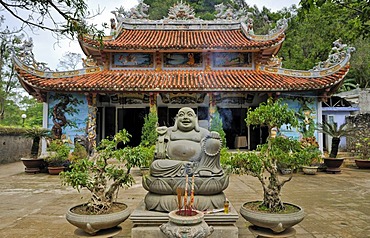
column 273, row 221
column 310, row 170
column 93, row 223
column 189, row 225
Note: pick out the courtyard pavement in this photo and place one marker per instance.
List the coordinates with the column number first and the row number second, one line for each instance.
column 337, row 206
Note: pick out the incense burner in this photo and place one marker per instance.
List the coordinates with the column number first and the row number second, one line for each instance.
column 186, row 224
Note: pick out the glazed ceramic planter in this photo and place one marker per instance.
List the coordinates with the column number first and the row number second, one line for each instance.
column 273, row 221
column 189, row 226
column 310, row 170
column 333, row 164
column 94, row 223
column 362, row 164
column 55, row 170
column 33, row 165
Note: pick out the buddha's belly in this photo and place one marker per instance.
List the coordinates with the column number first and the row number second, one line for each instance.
column 184, row 150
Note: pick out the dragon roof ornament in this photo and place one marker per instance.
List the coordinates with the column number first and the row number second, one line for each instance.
column 338, row 58
column 337, row 54
column 227, row 12
column 181, row 11
column 26, row 55
column 247, row 27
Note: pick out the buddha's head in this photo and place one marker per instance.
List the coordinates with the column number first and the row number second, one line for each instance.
column 186, row 120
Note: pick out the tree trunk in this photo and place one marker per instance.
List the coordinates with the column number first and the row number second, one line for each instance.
column 35, row 147
column 271, row 194
column 334, row 147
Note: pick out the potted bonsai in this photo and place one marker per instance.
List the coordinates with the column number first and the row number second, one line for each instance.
column 34, row 164
column 103, row 174
column 363, row 153
column 271, row 213
column 331, row 129
column 57, row 160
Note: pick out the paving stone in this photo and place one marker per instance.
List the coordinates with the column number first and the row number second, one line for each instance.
column 337, row 206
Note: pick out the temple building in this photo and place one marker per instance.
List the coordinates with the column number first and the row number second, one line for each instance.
column 163, row 65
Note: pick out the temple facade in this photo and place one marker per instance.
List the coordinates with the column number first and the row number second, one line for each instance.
column 164, row 65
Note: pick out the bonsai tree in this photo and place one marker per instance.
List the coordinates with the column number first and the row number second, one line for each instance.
column 103, row 173
column 336, row 133
column 264, row 165
column 36, row 133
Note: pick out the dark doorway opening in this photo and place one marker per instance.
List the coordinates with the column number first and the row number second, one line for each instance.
column 132, row 119
column 233, row 124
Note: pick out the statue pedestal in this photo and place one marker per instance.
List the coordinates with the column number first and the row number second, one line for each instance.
column 146, row 223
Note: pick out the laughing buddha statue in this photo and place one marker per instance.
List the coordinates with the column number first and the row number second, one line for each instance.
column 184, row 149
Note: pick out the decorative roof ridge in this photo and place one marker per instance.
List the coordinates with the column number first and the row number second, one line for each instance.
column 181, row 17
column 338, row 58
column 247, row 28
column 24, row 59
column 47, row 73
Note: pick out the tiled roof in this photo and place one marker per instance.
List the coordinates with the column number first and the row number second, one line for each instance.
column 183, row 39
column 180, row 80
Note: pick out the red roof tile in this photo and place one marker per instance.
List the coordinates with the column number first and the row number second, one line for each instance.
column 182, row 39
column 180, row 80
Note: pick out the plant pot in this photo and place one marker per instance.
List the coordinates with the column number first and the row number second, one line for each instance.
column 333, row 164
column 362, row 164
column 55, row 170
column 33, row 165
column 192, row 225
column 310, row 170
column 273, row 221
column 94, row 223
column 285, row 171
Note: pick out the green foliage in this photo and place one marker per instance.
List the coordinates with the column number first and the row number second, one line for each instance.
column 332, row 129
column 78, row 153
column 148, row 132
column 216, row 125
column 359, row 74
column 143, row 156
column 36, row 133
column 59, row 153
column 272, row 114
column 310, row 35
column 277, row 151
column 363, row 148
column 103, row 173
column 358, row 11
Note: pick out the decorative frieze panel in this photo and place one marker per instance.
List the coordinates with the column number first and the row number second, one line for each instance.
column 132, row 60
column 182, row 60
column 232, row 59
column 182, row 98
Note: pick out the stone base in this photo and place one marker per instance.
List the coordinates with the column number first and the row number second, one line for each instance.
column 146, row 223
column 168, row 203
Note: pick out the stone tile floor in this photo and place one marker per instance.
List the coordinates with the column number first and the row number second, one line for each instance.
column 337, row 206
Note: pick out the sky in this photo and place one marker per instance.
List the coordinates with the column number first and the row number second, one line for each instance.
column 47, row 49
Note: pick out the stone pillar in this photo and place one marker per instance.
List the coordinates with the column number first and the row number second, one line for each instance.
column 91, row 124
